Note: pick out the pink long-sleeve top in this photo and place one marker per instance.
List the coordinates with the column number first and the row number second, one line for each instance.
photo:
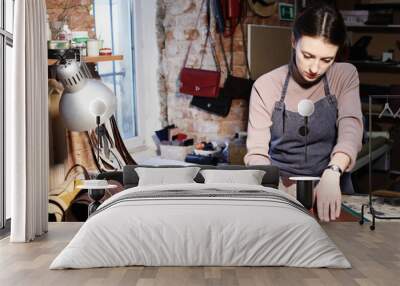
column 343, row 83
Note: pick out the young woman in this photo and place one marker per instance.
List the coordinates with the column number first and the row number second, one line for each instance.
column 335, row 127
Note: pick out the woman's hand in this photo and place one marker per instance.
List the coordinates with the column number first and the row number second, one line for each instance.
column 328, row 196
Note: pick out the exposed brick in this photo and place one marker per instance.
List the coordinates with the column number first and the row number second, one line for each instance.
column 240, row 71
column 179, row 26
column 191, row 34
column 239, row 58
column 86, row 2
column 169, row 36
column 76, row 13
column 179, row 7
column 231, row 127
column 55, row 4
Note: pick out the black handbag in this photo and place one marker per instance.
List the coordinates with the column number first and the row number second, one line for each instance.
column 219, row 105
column 236, row 87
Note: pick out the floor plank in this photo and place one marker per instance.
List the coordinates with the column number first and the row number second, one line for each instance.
column 375, row 257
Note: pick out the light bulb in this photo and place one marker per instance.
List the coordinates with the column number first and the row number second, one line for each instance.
column 97, row 107
column 79, row 109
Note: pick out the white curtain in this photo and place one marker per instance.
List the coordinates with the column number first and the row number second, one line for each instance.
column 27, row 143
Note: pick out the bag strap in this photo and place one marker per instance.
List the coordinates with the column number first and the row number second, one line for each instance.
column 214, row 54
column 191, row 41
column 119, row 143
column 218, row 16
column 245, row 49
column 229, row 67
column 221, row 43
column 231, row 51
column 208, row 39
column 207, row 34
column 212, row 42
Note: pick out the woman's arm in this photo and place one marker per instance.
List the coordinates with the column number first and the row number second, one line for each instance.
column 349, row 122
column 258, row 129
column 344, row 154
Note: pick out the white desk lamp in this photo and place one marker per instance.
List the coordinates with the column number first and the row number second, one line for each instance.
column 98, row 108
column 305, row 108
column 80, row 92
column 86, row 102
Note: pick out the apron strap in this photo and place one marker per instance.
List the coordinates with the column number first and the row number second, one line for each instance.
column 285, row 87
column 331, row 98
column 280, row 105
column 326, row 86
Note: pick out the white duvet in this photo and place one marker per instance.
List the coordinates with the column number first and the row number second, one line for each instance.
column 183, row 231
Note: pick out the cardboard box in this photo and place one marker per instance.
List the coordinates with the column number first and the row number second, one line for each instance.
column 174, row 152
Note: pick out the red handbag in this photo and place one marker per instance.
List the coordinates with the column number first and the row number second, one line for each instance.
column 200, row 82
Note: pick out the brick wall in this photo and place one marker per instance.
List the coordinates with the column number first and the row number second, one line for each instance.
column 178, row 28
column 175, row 26
column 76, row 13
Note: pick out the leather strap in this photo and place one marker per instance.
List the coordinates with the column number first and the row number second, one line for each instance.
column 191, row 41
column 245, row 47
column 229, row 67
column 209, row 36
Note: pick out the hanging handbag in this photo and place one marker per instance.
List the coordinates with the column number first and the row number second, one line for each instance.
column 219, row 105
column 200, row 82
column 236, row 87
column 232, row 11
column 218, row 16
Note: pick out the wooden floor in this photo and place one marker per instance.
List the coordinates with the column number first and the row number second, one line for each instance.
column 375, row 256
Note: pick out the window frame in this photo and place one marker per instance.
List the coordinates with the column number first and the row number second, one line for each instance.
column 6, row 39
column 138, row 141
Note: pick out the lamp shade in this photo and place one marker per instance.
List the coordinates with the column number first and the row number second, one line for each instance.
column 79, row 108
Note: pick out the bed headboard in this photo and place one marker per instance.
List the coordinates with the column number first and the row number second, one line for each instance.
column 270, row 179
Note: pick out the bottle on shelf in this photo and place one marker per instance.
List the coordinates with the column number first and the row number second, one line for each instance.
column 65, row 34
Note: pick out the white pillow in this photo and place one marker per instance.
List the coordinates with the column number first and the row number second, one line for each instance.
column 249, row 177
column 164, row 176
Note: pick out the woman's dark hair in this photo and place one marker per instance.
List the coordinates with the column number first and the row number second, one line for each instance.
column 321, row 21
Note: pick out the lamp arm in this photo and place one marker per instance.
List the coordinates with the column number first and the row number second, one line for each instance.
column 305, row 137
column 98, row 140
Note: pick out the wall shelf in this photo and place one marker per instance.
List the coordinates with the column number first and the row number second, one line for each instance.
column 375, row 66
column 375, row 28
column 94, row 59
column 378, row 6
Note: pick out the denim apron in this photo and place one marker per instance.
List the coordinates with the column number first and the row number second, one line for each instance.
column 287, row 145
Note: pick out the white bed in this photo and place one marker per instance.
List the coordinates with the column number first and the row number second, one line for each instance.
column 203, row 225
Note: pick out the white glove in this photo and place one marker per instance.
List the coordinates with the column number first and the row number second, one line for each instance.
column 328, row 196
